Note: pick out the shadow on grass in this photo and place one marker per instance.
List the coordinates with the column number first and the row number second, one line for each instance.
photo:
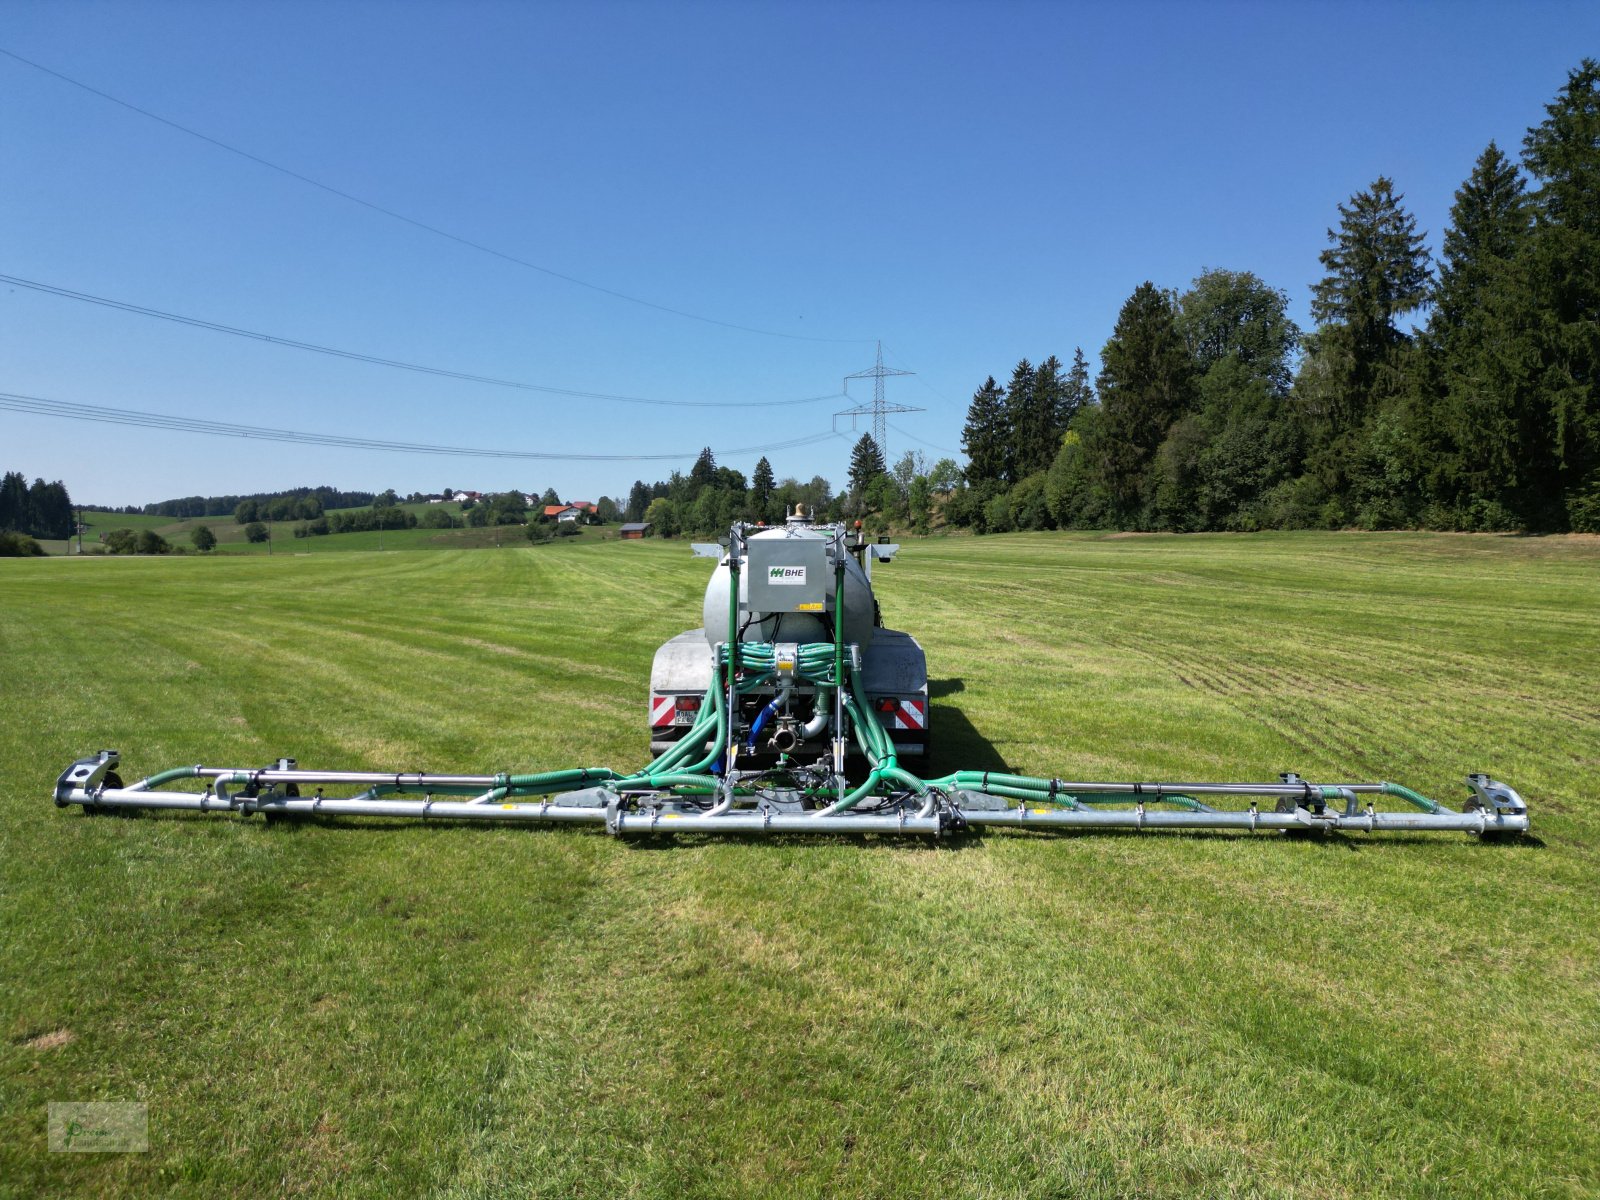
column 957, row 744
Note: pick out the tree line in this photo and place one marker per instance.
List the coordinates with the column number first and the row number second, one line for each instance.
column 268, row 506
column 1212, row 410
column 711, row 498
column 43, row 510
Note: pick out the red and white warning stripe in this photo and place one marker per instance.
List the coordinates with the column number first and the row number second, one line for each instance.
column 661, row 710
column 909, row 714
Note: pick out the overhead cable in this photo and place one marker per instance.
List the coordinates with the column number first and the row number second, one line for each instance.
column 14, row 402
column 273, row 339
column 924, row 441
column 414, row 222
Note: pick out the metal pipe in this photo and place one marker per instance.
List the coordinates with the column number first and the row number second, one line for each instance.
column 1156, row 790
column 410, row 780
column 651, row 821
column 132, row 797
column 820, row 719
column 451, row 809
column 1142, row 818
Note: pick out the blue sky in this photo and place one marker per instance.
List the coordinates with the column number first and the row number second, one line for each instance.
column 970, row 183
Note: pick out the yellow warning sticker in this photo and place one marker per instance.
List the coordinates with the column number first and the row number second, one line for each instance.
column 809, row 606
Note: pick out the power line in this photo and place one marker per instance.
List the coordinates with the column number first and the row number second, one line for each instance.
column 924, row 441
column 51, row 289
column 938, row 394
column 126, row 416
column 412, row 221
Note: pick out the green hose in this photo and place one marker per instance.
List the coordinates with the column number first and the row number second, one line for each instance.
column 161, row 777
column 1417, row 798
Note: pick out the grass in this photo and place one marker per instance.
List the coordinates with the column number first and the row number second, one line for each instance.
column 231, row 537
column 383, row 1009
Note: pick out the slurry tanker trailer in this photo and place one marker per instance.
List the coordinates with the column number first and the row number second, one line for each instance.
column 792, row 709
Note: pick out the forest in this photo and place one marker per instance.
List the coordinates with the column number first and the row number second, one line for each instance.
column 1212, row 410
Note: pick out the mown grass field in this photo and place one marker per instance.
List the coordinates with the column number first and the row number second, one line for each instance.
column 231, row 537
column 385, row 1010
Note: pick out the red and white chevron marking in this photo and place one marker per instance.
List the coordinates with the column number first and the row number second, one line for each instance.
column 909, row 714
column 661, row 710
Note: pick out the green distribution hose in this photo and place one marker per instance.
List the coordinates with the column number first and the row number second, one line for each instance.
column 822, row 665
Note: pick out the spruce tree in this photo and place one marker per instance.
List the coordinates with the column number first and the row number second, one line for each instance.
column 1489, row 224
column 1146, row 383
column 1037, row 423
column 866, row 464
column 639, row 498
column 704, row 472
column 983, row 437
column 1377, row 270
column 1464, row 419
column 14, row 502
column 1020, row 423
column 1079, row 392
column 761, row 485
column 1559, row 415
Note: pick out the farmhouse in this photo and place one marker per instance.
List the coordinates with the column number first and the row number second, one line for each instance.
column 563, row 512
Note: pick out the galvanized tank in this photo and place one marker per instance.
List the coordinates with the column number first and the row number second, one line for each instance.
column 860, row 613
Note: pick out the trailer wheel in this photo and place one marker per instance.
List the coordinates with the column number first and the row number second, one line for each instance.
column 111, row 780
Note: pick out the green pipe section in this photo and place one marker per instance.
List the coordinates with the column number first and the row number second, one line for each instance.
column 551, row 780
column 1417, row 798
column 161, row 777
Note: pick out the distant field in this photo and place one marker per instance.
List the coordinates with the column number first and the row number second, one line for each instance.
column 231, row 538
column 390, row 1010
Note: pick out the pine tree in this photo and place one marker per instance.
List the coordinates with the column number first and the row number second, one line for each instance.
column 1489, row 225
column 704, row 472
column 1078, row 393
column 761, row 485
column 49, row 512
column 639, row 497
column 983, row 437
column 1018, row 414
column 1464, row 419
column 14, row 502
column 1377, row 270
column 1146, row 383
column 1037, row 422
column 1559, row 413
column 866, row 464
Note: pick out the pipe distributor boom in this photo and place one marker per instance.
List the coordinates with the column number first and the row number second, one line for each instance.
column 761, row 735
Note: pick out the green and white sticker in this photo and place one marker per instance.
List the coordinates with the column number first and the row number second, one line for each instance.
column 787, row 576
